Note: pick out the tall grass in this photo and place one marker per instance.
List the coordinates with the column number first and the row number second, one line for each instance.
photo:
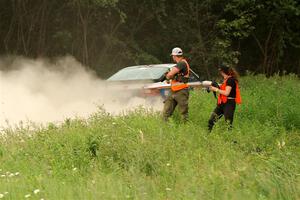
column 137, row 156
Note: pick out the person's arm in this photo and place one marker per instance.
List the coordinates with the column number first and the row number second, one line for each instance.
column 172, row 73
column 180, row 66
column 225, row 92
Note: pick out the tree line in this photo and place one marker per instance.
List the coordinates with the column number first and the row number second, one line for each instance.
column 106, row 35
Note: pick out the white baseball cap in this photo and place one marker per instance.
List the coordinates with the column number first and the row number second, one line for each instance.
column 177, row 52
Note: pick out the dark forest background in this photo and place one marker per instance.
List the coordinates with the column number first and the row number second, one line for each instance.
column 260, row 36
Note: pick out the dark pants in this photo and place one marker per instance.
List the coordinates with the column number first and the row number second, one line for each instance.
column 226, row 109
column 180, row 98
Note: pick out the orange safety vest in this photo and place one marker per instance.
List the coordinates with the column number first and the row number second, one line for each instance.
column 176, row 85
column 223, row 98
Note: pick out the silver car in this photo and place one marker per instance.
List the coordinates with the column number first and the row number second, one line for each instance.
column 135, row 78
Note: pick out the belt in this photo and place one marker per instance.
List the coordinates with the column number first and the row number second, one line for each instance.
column 230, row 98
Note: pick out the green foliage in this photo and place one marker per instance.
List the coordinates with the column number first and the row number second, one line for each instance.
column 239, row 26
column 267, row 24
column 260, row 36
column 224, row 53
column 106, row 3
column 137, row 156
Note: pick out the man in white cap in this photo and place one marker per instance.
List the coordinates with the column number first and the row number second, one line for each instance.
column 179, row 76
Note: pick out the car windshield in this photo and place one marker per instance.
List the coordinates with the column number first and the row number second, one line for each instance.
column 139, row 73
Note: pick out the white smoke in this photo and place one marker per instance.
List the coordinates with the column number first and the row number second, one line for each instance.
column 42, row 91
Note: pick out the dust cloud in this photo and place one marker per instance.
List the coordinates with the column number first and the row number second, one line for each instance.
column 42, row 91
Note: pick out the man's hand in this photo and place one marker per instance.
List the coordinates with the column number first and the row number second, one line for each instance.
column 163, row 77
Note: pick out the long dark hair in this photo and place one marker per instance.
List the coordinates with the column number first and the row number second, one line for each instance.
column 230, row 71
column 234, row 73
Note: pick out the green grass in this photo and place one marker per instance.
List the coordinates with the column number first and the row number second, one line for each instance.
column 137, row 156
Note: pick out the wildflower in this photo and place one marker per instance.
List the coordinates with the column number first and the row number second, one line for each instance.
column 36, row 191
column 142, row 136
column 168, row 164
column 3, row 175
column 17, row 173
column 27, row 196
column 168, row 189
column 5, row 193
column 280, row 144
column 74, row 169
column 114, row 123
column 11, row 175
column 1, row 196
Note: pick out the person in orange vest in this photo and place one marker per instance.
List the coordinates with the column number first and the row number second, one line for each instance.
column 229, row 96
column 179, row 95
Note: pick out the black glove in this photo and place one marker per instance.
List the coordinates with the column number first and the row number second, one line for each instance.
column 215, row 84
